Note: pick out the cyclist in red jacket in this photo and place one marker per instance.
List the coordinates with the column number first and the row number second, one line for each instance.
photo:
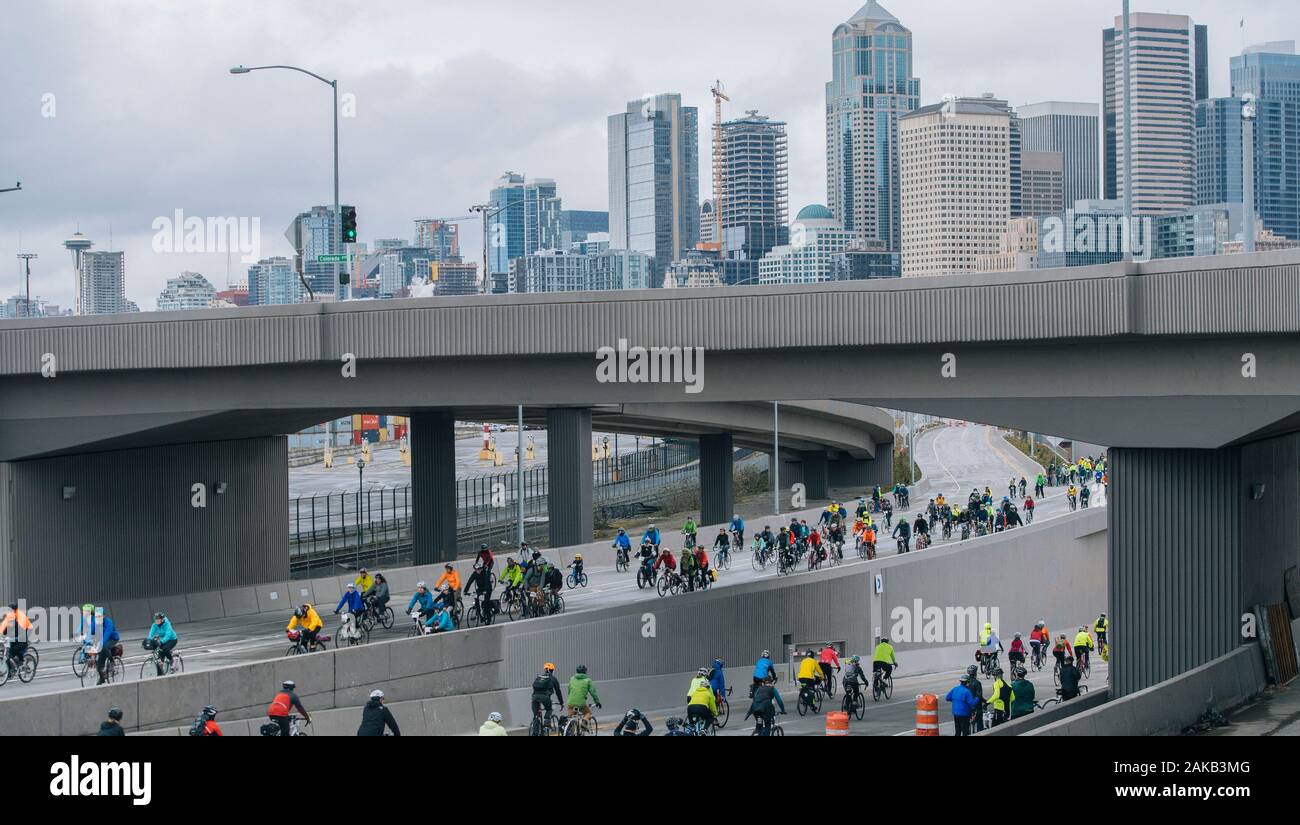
column 829, row 657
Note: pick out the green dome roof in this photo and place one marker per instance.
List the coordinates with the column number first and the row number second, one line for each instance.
column 815, row 212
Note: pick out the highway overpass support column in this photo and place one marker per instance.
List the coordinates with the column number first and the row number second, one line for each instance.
column 568, row 494
column 1174, row 562
column 717, row 489
column 433, row 486
column 815, row 474
column 861, row 474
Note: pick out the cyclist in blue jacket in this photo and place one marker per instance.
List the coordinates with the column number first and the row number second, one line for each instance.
column 718, row 679
column 652, row 535
column 108, row 638
column 737, row 526
column 964, row 705
column 351, row 600
column 763, row 669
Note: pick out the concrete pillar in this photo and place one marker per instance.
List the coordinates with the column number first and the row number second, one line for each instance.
column 717, row 490
column 815, row 475
column 568, row 493
column 433, row 486
column 1174, row 562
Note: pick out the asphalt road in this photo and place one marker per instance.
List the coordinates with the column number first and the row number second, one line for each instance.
column 218, row 642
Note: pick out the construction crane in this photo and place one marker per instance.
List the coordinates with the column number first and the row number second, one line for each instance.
column 719, row 161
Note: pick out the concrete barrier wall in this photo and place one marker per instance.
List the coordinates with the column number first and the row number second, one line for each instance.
column 1041, row 718
column 1169, row 707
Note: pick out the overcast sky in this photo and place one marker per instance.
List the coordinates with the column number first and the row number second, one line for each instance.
column 147, row 120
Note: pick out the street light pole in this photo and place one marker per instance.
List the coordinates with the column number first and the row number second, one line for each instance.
column 519, row 472
column 776, row 458
column 337, row 241
column 1248, row 170
column 361, row 475
column 1128, row 138
column 26, row 258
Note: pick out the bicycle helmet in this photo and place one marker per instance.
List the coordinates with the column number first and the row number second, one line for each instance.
column 115, row 714
column 14, row 606
column 621, row 531
column 1069, row 660
column 997, row 671
column 581, row 669
column 158, row 616
column 673, row 723
column 972, row 670
column 483, row 546
column 702, row 672
column 494, row 717
column 298, row 613
column 87, row 608
column 376, row 694
column 288, row 684
column 210, row 712
column 766, row 655
column 856, row 659
column 577, row 557
column 361, row 570
column 549, row 667
column 421, row 586
column 1017, row 635
column 449, row 566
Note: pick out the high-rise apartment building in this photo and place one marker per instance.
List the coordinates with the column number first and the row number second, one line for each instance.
column 1168, row 56
column 755, row 208
column 956, row 185
column 274, row 281
column 816, row 238
column 1072, row 130
column 189, row 290
column 871, row 88
column 440, row 236
column 526, row 219
column 654, row 179
column 103, row 283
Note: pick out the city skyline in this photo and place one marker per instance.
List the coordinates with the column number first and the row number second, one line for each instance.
column 173, row 109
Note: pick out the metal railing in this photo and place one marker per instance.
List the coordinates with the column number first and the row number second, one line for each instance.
column 374, row 526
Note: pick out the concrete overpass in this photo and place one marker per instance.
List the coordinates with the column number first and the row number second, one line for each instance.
column 1189, row 368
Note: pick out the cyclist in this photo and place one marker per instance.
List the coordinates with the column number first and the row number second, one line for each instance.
column 206, row 724
column 810, row 673
column 1023, row 486
column 112, row 726
column 1085, row 493
column 718, row 679
column 1040, row 487
column 785, row 544
column 861, row 512
column 20, row 621
column 375, row 717
column 164, row 638
column 836, row 539
column 688, row 568
column 534, row 577
column 364, row 581
column 869, row 539
column 1002, row 698
column 888, row 509
column 1029, row 509
column 737, row 528
column 580, row 686
column 763, row 669
column 493, row 726
column 576, row 566
column 921, row 529
column 107, row 639
column 1070, row 677
column 815, row 551
column 903, row 532
column 1101, row 627
column 1061, row 650
column 666, row 561
column 1082, row 645
column 1016, row 655
column 976, row 687
column 854, row 679
column 480, row 581
column 351, row 599
column 1022, row 694
column 965, row 705
column 651, row 535
column 512, row 577
column 634, row 723
column 440, row 621
column 543, row 687
column 701, row 678
column 701, row 705
column 1011, row 485
column 721, row 544
column 1072, row 493
column 688, row 531
column 623, row 546
column 990, row 644
column 452, row 579
column 283, row 702
column 675, row 727
column 827, row 659
column 376, row 596
column 702, row 565
column 766, row 699
column 484, row 557
column 423, row 598
column 647, row 556
column 1038, row 641
column 884, row 659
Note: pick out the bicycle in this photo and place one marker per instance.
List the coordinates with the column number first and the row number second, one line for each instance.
column 988, row 663
column 1073, row 503
column 81, row 659
column 581, row 724
column 768, row 727
column 544, row 725
column 881, row 686
column 785, row 562
column 576, row 579
column 272, row 729
column 25, row 669
column 669, row 582
column 1029, row 516
column 810, row 699
column 351, row 631
column 1046, row 703
column 722, row 559
column 1085, row 666
column 475, row 616
column 761, row 556
column 113, row 671
column 554, row 606
column 1037, row 658
column 699, row 727
column 370, row 618
column 157, row 664
column 622, row 558
column 1103, row 650
column 724, row 709
column 512, row 603
column 301, row 646
column 854, row 702
column 645, row 574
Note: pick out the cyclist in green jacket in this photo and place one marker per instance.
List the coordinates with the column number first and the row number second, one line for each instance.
column 580, row 687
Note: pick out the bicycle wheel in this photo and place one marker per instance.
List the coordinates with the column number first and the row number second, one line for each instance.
column 757, row 562
column 536, row 728
column 557, row 606
column 724, row 713
column 1056, row 675
column 816, row 706
column 79, row 663
column 148, row 668
column 830, row 685
column 27, row 670
column 584, row 580
column 116, row 670
column 889, row 686
column 875, row 690
column 571, row 581
column 802, row 705
column 662, row 586
column 859, row 705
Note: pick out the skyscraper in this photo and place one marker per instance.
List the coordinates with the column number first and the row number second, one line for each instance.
column 1071, row 129
column 189, row 290
column 871, row 87
column 1043, row 184
column 440, row 236
column 1170, row 73
column 756, row 206
column 654, row 179
column 103, row 284
column 526, row 219
column 273, row 281
column 956, row 185
column 313, row 233
column 1271, row 72
column 1218, row 150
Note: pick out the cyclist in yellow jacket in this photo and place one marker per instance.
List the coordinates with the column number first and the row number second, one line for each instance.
column 308, row 619
column 701, row 705
column 1082, row 646
column 364, row 581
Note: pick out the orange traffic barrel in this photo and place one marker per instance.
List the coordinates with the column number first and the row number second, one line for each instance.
column 927, row 715
column 837, row 723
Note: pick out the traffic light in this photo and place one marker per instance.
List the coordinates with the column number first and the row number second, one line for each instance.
column 349, row 224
